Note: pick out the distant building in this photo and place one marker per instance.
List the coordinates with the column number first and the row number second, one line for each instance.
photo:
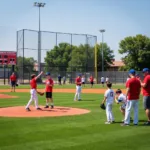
column 116, row 65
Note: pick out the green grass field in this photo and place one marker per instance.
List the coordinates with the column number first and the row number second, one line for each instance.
column 84, row 132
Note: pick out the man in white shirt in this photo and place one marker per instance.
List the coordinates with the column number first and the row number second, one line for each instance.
column 83, row 80
column 109, row 97
column 107, row 79
column 102, row 81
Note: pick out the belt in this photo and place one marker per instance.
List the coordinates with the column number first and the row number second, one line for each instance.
column 79, row 85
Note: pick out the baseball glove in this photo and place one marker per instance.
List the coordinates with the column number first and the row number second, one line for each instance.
column 40, row 93
column 102, row 106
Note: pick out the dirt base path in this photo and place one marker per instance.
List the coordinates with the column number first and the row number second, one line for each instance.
column 20, row 111
column 4, row 96
column 96, row 91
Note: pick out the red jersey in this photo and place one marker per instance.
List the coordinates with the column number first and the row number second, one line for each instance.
column 78, row 81
column 91, row 79
column 49, row 88
column 146, row 90
column 134, row 85
column 33, row 84
column 138, row 78
column 13, row 78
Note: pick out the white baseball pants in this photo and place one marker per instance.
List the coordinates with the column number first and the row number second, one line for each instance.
column 34, row 98
column 131, row 104
column 78, row 92
column 109, row 113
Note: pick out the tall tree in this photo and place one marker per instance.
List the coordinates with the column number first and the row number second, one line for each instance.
column 108, row 56
column 136, row 50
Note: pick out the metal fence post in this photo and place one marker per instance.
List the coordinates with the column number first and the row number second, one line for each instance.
column 23, row 57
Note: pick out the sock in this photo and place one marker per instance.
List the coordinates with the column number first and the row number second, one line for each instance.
column 47, row 104
column 52, row 104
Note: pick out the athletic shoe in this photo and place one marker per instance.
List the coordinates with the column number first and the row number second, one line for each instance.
column 135, row 124
column 79, row 99
column 39, row 108
column 113, row 122
column 147, row 123
column 28, row 109
column 52, row 106
column 108, row 122
column 46, row 106
column 124, row 124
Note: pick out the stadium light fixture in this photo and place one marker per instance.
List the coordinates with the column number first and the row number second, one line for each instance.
column 102, row 31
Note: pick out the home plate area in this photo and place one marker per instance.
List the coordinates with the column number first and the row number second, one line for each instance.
column 19, row 111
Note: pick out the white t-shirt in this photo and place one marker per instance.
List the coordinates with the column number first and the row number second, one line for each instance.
column 83, row 79
column 102, row 79
column 122, row 98
column 110, row 95
column 107, row 79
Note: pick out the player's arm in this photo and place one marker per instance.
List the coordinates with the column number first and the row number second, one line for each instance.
column 104, row 100
column 38, row 75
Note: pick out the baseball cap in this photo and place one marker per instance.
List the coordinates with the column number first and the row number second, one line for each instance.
column 48, row 74
column 118, row 91
column 132, row 71
column 79, row 75
column 145, row 70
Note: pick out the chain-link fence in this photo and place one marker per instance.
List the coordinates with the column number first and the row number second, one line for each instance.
column 61, row 53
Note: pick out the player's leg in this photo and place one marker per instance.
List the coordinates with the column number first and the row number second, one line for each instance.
column 76, row 94
column 128, row 111
column 11, row 86
column 107, row 114
column 47, row 100
column 136, row 111
column 79, row 92
column 30, row 101
column 146, row 102
column 14, row 86
column 36, row 101
column 51, row 100
column 111, row 113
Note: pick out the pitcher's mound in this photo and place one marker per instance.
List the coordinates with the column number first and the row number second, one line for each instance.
column 57, row 111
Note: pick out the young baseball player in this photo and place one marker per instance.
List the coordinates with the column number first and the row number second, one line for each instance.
column 13, row 80
column 83, row 80
column 48, row 90
column 91, row 81
column 121, row 98
column 102, row 81
column 78, row 88
column 33, row 92
column 109, row 97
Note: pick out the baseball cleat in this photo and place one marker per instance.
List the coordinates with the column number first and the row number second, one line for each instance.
column 46, row 106
column 108, row 122
column 124, row 124
column 39, row 108
column 147, row 123
column 52, row 106
column 28, row 109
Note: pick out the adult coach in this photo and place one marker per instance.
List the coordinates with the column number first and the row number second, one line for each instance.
column 146, row 93
column 78, row 88
column 33, row 92
column 48, row 89
column 133, row 93
column 13, row 80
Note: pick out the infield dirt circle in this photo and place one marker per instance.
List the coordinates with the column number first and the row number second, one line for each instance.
column 20, row 111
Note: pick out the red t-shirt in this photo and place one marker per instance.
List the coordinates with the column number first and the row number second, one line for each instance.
column 78, row 81
column 134, row 85
column 146, row 90
column 91, row 79
column 33, row 84
column 13, row 78
column 49, row 88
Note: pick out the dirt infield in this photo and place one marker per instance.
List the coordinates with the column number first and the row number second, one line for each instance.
column 96, row 91
column 56, row 112
column 4, row 96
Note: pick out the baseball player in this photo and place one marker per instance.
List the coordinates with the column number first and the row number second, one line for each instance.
column 133, row 93
column 33, row 92
column 107, row 79
column 78, row 88
column 13, row 80
column 91, row 81
column 102, row 81
column 48, row 90
column 121, row 98
column 109, row 97
column 146, row 93
column 83, row 80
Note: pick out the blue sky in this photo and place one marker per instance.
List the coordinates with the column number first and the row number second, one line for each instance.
column 120, row 18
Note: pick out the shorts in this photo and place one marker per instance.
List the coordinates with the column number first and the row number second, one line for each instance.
column 83, row 82
column 92, row 83
column 13, row 83
column 102, row 82
column 48, row 94
column 146, row 102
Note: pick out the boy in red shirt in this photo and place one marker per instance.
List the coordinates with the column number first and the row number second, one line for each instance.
column 132, row 95
column 78, row 88
column 146, row 93
column 91, row 81
column 13, row 80
column 33, row 91
column 49, row 89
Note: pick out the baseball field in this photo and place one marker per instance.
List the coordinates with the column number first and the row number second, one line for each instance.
column 77, row 132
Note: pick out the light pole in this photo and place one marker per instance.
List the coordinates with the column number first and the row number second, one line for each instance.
column 102, row 31
column 39, row 5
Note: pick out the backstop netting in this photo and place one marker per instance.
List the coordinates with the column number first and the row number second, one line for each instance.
column 60, row 53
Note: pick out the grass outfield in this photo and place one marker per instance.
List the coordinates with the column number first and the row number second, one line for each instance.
column 69, row 86
column 85, row 132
